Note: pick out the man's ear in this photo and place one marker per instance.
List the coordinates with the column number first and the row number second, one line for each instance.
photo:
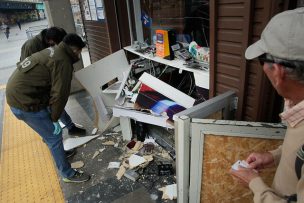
column 279, row 73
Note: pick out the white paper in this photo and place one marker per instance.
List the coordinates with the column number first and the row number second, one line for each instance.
column 150, row 140
column 87, row 14
column 240, row 163
column 99, row 3
column 136, row 160
column 72, row 143
column 114, row 165
column 100, row 13
column 92, row 8
column 94, row 131
column 171, row 191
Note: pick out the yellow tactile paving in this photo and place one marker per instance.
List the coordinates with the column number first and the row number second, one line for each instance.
column 2, row 87
column 27, row 171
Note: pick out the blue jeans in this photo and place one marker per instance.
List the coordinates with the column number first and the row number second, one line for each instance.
column 66, row 120
column 41, row 123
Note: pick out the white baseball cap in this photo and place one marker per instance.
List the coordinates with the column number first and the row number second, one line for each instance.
column 283, row 37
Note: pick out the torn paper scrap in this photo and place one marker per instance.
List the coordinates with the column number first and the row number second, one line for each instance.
column 150, row 140
column 101, row 150
column 94, row 131
column 169, row 192
column 114, row 165
column 136, row 160
column 95, row 154
column 72, row 143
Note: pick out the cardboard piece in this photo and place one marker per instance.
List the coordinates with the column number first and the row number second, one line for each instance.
column 72, row 143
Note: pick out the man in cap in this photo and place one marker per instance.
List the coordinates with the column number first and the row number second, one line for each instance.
column 37, row 93
column 46, row 38
column 281, row 52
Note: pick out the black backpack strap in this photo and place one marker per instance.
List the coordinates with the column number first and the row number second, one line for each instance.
column 299, row 162
column 291, row 198
column 298, row 168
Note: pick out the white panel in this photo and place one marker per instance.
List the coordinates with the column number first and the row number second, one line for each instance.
column 103, row 71
column 98, row 74
column 167, row 90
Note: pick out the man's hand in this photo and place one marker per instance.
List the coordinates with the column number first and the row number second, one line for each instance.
column 57, row 128
column 244, row 175
column 260, row 161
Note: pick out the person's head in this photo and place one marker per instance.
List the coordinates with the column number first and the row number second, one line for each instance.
column 75, row 43
column 281, row 51
column 54, row 35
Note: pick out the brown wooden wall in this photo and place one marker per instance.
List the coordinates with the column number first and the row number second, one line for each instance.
column 110, row 35
column 234, row 25
column 98, row 39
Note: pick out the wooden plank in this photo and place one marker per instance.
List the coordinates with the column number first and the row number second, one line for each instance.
column 228, row 69
column 234, row 23
column 229, row 59
column 228, row 80
column 217, row 184
column 229, row 35
column 221, row 2
column 229, row 47
column 235, row 10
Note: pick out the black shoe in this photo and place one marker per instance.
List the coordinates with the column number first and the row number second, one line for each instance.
column 70, row 153
column 77, row 131
column 77, row 178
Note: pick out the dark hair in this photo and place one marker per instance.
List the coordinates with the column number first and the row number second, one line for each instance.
column 73, row 40
column 55, row 33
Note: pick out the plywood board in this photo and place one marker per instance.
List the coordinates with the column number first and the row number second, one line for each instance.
column 220, row 152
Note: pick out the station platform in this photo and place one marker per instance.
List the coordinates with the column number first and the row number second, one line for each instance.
column 28, row 173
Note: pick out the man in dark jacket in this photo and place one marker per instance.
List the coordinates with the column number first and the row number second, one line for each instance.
column 37, row 93
column 50, row 37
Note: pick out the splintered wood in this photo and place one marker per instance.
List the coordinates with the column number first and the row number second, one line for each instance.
column 220, row 152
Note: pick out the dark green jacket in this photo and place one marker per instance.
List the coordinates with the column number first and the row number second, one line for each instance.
column 42, row 80
column 32, row 46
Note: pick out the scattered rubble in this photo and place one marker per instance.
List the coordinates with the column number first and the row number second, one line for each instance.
column 95, row 154
column 114, row 165
column 169, row 192
column 94, row 131
column 77, row 164
column 109, row 143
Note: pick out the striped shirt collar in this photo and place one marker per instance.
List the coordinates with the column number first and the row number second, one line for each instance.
column 293, row 114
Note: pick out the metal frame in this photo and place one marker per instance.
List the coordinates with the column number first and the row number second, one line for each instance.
column 182, row 123
column 224, row 128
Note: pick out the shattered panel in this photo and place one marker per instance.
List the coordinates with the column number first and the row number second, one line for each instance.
column 220, row 152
